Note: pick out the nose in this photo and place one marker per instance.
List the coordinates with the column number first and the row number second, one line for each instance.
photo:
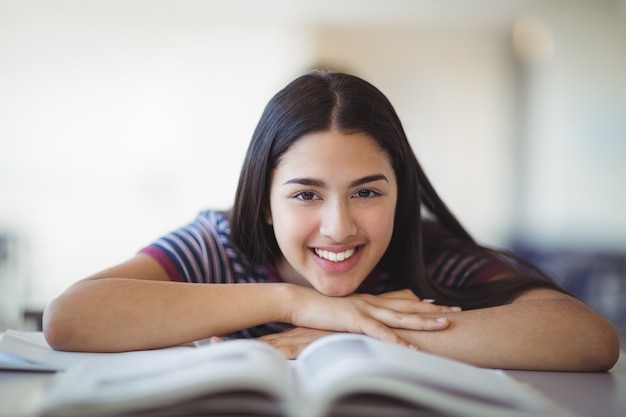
column 337, row 222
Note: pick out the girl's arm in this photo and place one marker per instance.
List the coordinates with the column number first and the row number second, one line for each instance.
column 134, row 306
column 541, row 330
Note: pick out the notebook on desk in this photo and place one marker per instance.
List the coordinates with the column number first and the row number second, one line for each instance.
column 30, row 351
column 10, row 362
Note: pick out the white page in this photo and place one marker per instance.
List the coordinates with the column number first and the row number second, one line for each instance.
column 32, row 347
column 330, row 362
column 9, row 362
column 109, row 386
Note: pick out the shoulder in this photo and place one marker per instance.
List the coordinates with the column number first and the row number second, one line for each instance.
column 455, row 262
column 207, row 225
column 462, row 266
column 240, row 266
column 217, row 219
column 199, row 251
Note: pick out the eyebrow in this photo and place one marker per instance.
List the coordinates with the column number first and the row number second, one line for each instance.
column 311, row 182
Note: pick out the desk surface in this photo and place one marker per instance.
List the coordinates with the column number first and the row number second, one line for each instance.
column 586, row 394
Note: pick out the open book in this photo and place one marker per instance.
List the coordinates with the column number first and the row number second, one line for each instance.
column 342, row 374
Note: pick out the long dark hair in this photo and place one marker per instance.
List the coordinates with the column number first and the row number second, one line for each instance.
column 322, row 100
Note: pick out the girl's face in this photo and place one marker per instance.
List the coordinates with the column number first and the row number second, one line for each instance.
column 332, row 204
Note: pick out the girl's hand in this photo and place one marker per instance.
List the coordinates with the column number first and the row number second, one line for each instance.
column 291, row 342
column 374, row 315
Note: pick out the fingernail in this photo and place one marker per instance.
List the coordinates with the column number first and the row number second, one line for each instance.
column 441, row 319
column 455, row 308
column 413, row 347
column 428, row 300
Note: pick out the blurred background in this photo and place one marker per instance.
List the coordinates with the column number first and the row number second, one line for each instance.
column 120, row 120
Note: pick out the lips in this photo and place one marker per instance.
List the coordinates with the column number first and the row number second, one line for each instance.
column 335, row 256
column 340, row 262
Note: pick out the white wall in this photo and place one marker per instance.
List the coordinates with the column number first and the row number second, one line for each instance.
column 577, row 131
column 121, row 120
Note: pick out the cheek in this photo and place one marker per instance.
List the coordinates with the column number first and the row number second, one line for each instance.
column 383, row 231
column 291, row 228
column 380, row 228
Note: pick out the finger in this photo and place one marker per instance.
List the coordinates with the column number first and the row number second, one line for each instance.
column 401, row 294
column 411, row 306
column 290, row 351
column 268, row 338
column 287, row 346
column 408, row 295
column 379, row 331
column 410, row 321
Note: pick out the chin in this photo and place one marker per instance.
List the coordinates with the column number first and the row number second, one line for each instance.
column 335, row 291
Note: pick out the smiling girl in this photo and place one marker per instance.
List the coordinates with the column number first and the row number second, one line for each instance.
column 335, row 228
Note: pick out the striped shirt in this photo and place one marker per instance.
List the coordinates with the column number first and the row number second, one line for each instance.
column 202, row 252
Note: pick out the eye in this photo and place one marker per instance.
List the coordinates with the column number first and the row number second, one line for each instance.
column 365, row 193
column 306, row 196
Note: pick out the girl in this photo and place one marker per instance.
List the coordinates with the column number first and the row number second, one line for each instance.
column 335, row 228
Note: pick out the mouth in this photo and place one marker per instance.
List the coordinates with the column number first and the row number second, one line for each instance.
column 335, row 256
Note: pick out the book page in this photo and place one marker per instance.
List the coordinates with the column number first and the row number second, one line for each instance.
column 33, row 348
column 10, row 362
column 158, row 382
column 342, row 365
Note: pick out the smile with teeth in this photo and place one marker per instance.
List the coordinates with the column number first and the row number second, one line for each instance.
column 335, row 256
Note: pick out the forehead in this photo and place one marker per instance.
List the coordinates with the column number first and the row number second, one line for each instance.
column 334, row 148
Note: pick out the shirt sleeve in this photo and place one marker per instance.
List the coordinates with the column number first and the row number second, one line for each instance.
column 201, row 252
column 197, row 252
